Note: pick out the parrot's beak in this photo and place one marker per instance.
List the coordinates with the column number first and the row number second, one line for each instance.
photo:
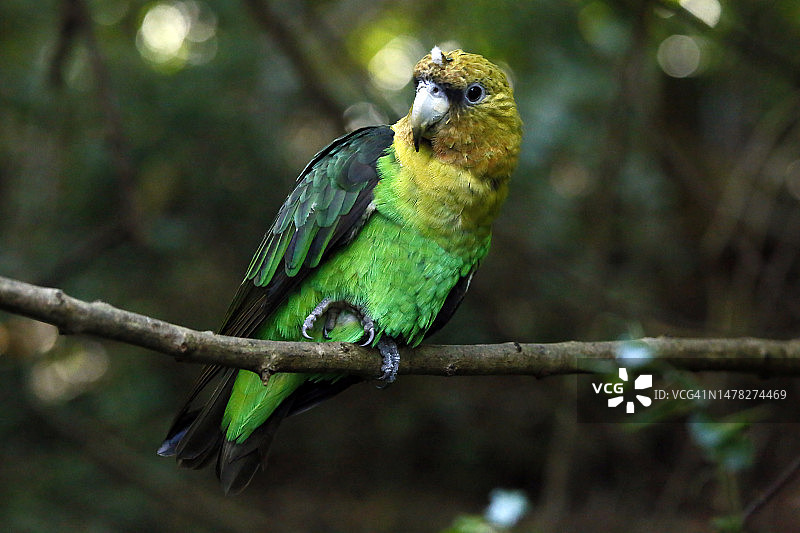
column 430, row 106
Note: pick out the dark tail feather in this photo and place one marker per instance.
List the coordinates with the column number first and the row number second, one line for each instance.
column 195, row 435
column 168, row 447
column 239, row 462
column 311, row 393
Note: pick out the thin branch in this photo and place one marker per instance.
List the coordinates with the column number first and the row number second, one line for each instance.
column 73, row 316
column 116, row 139
column 76, row 21
column 782, row 481
column 70, row 24
column 292, row 46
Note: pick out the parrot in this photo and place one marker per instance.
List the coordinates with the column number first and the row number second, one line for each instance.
column 376, row 245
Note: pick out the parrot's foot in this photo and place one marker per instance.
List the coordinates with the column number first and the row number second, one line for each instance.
column 391, row 360
column 332, row 309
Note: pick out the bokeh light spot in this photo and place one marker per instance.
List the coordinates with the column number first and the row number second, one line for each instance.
column 570, row 179
column 163, row 30
column 64, row 378
column 391, row 67
column 506, row 507
column 176, row 33
column 679, row 56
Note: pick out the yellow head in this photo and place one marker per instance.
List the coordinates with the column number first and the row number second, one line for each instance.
column 464, row 112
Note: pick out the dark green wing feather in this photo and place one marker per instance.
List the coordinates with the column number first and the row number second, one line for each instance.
column 327, row 208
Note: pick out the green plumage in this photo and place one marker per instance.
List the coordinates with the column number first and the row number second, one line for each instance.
column 388, row 224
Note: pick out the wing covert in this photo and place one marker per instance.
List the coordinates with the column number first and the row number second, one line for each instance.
column 325, row 210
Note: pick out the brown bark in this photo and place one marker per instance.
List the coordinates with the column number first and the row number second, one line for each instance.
column 73, row 316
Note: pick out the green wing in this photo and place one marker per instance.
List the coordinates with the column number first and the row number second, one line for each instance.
column 327, row 208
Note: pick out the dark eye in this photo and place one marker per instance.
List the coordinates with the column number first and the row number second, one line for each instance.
column 475, row 93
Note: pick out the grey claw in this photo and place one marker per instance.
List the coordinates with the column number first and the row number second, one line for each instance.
column 318, row 311
column 370, row 338
column 369, row 330
column 308, row 323
column 386, row 345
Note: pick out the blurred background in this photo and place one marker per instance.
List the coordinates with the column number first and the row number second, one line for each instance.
column 145, row 147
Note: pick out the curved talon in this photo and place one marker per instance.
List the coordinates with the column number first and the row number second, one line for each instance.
column 369, row 330
column 308, row 324
column 370, row 338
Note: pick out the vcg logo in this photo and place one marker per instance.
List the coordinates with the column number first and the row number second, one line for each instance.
column 617, row 391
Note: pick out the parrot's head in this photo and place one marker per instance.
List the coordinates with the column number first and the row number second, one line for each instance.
column 464, row 111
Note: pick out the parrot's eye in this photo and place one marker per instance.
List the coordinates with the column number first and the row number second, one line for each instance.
column 475, row 93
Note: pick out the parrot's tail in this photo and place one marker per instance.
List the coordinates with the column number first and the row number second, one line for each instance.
column 237, row 463
column 196, row 436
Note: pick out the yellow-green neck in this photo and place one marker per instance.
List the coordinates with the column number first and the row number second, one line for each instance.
column 450, row 203
column 486, row 149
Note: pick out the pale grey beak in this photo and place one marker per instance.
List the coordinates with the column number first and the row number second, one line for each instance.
column 430, row 106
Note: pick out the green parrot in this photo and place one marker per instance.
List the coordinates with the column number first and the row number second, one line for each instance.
column 376, row 244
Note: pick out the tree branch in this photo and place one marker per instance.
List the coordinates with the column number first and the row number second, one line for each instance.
column 292, row 46
column 73, row 316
